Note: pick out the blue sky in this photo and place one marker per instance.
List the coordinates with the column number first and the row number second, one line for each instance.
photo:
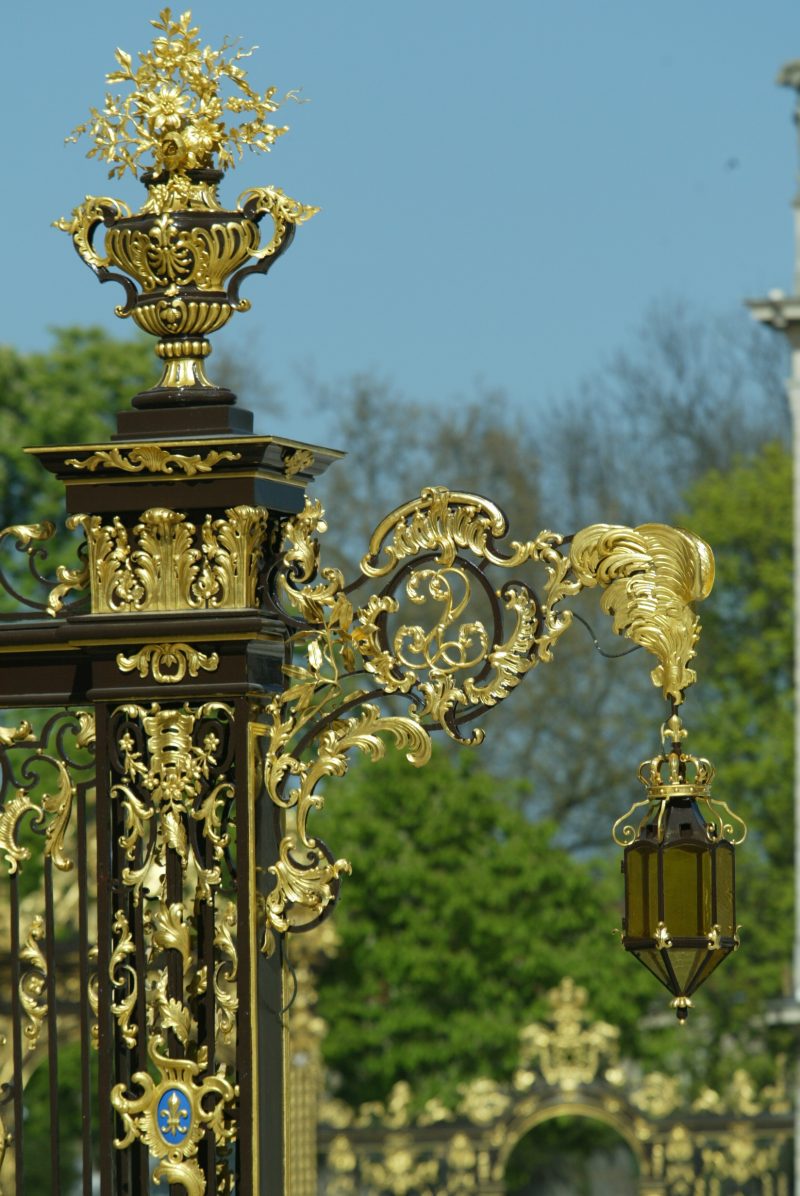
column 505, row 188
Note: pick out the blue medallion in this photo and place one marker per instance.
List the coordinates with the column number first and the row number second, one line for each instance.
column 174, row 1114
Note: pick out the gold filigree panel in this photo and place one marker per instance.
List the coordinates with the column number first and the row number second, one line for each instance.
column 172, row 797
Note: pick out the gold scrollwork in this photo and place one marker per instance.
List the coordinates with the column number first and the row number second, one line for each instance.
column 33, row 982
column 123, row 975
column 151, row 458
column 169, row 663
column 283, row 210
column 225, row 974
column 304, row 876
column 400, row 1170
column 296, row 460
column 94, row 210
column 435, row 554
column 54, row 809
column 166, row 563
column 28, row 536
column 68, row 580
column 93, row 997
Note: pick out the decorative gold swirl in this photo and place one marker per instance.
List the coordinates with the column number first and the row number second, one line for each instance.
column 225, row 975
column 169, row 662
column 33, row 982
column 296, row 460
column 54, row 810
column 168, row 784
column 284, row 211
column 152, row 458
column 123, row 975
column 59, row 805
column 85, row 218
column 440, row 521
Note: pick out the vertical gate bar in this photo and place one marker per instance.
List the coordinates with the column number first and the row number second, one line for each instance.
column 267, row 1127
column 247, row 1045
column 16, row 1035
column 106, row 1044
column 136, row 1060
column 52, row 1027
column 206, row 1013
column 134, row 1159
column 85, row 1024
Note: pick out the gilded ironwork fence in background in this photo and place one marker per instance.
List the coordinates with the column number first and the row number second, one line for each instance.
column 735, row 1142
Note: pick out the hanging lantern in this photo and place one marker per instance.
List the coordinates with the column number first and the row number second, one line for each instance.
column 680, row 906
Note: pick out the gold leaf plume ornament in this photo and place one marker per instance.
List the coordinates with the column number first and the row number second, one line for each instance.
column 651, row 575
column 182, row 258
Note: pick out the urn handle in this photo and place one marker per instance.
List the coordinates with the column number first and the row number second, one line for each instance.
column 286, row 214
column 85, row 220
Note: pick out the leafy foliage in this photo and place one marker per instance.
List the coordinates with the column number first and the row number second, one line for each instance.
column 459, row 917
column 745, row 721
column 68, row 394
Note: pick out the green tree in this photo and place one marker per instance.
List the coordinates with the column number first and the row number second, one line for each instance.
column 744, row 715
column 68, row 394
column 459, row 916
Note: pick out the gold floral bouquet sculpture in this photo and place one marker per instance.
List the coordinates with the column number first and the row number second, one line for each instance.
column 182, row 258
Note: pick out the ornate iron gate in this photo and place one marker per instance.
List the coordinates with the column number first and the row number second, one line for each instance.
column 728, row 1143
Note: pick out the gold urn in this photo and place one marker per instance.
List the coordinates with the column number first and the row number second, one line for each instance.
column 182, row 258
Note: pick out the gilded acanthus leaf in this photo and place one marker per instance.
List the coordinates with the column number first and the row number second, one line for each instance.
column 175, row 1016
column 172, row 931
column 10, row 817
column 18, row 734
column 33, row 981
column 165, row 563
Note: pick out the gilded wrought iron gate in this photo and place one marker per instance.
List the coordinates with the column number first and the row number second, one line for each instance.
column 133, row 816
column 155, row 801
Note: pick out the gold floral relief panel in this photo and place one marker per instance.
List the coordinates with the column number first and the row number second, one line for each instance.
column 166, row 562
